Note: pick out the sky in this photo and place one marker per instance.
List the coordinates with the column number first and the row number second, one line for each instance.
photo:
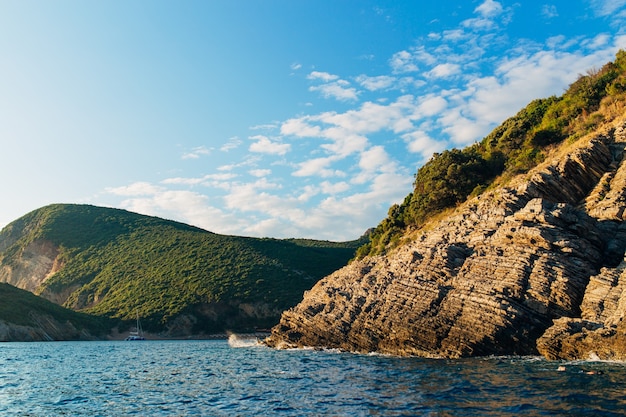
column 269, row 118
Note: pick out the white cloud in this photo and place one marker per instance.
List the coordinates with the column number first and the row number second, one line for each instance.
column 559, row 42
column 184, row 181
column 248, row 161
column 380, row 82
column 347, row 133
column 369, row 118
column 317, row 167
column 196, row 153
column 266, row 126
column 332, row 86
column 185, row 206
column 411, row 60
column 454, row 35
column 372, row 162
column 479, row 23
column 430, row 105
column 263, row 144
column 201, row 180
column 137, row 188
column 306, row 193
column 344, row 142
column 300, row 127
column 339, row 90
column 221, row 177
column 350, row 213
column 464, row 103
column 274, row 227
column 376, row 158
column 272, row 214
column 619, row 43
column 334, row 188
column 323, row 76
column 255, row 197
column 598, row 41
column 285, row 216
column 487, row 12
column 549, row 11
column 260, row 172
column 462, row 130
column 489, row 8
column 444, row 71
column 420, row 142
column 606, row 7
column 403, row 61
column 233, row 143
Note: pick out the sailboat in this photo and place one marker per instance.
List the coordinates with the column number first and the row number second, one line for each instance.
column 137, row 334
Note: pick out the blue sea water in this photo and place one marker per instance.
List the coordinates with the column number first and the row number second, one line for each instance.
column 215, row 378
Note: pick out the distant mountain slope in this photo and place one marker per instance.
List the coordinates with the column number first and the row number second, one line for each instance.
column 180, row 279
column 26, row 317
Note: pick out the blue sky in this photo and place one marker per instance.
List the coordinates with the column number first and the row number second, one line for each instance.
column 277, row 118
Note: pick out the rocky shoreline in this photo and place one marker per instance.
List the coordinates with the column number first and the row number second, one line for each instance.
column 536, row 267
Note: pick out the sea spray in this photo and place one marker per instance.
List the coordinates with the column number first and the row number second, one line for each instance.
column 239, row 341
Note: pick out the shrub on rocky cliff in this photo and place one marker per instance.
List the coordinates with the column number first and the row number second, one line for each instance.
column 514, row 147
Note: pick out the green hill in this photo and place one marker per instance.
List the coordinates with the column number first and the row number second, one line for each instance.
column 180, row 279
column 28, row 317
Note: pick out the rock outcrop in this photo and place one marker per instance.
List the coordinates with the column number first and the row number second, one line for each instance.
column 46, row 328
column 38, row 262
column 540, row 260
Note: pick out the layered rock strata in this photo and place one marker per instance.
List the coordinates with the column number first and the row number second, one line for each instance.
column 540, row 259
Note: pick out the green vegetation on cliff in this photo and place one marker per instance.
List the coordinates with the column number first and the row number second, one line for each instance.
column 22, row 308
column 115, row 263
column 514, row 147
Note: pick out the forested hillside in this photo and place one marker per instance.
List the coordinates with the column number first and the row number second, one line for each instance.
column 26, row 317
column 178, row 278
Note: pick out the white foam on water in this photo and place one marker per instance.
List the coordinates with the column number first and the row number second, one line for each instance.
column 239, row 341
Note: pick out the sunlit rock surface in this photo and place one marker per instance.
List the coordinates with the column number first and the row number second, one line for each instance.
column 536, row 267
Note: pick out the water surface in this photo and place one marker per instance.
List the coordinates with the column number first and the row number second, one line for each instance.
column 213, row 378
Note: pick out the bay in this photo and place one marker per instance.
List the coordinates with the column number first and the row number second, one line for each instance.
column 215, row 378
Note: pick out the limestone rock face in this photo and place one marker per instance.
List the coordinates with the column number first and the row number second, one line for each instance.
column 37, row 263
column 600, row 333
column 492, row 278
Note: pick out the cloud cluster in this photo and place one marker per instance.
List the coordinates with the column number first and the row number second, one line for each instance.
column 197, row 152
column 263, row 144
column 331, row 86
column 333, row 174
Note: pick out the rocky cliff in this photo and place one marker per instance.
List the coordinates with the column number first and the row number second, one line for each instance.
column 534, row 267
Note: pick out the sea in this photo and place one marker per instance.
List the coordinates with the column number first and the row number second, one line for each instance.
column 240, row 377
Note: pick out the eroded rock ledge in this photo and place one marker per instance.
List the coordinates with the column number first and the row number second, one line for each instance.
column 533, row 268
